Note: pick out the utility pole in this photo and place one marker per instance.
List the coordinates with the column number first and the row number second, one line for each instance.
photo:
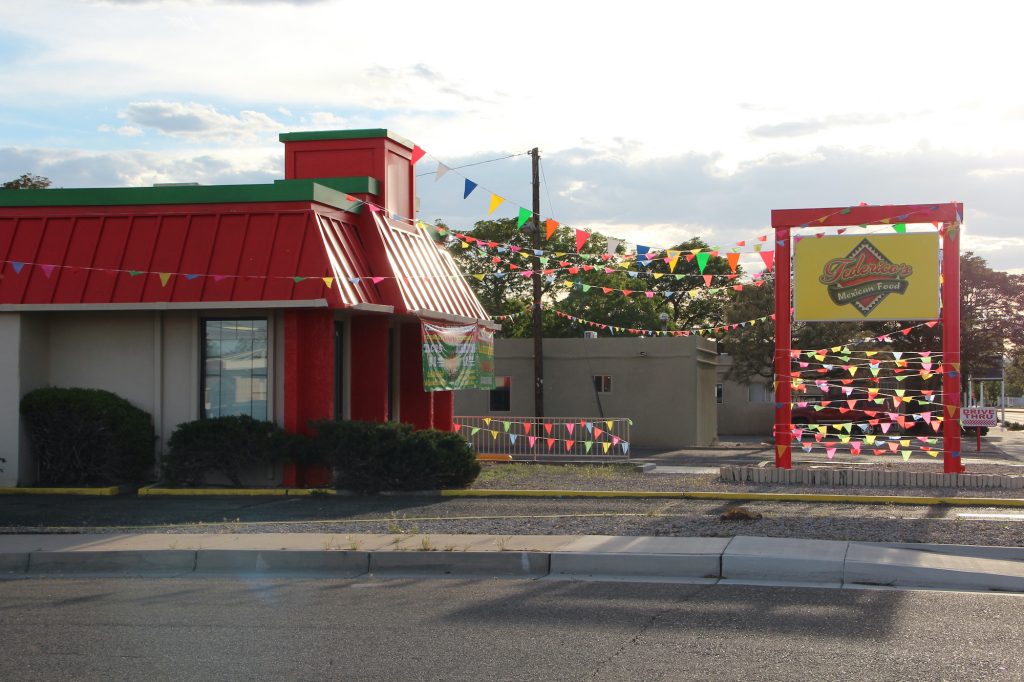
column 538, row 332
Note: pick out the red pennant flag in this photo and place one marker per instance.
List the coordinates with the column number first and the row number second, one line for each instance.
column 417, row 154
column 547, row 429
column 568, row 445
column 581, row 239
column 551, row 442
column 769, row 258
column 707, row 280
column 527, row 426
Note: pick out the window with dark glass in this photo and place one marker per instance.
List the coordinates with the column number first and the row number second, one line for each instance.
column 602, row 383
column 234, row 370
column 719, row 393
column 501, row 395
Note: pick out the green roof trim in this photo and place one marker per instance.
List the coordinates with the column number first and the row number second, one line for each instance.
column 281, row 191
column 360, row 185
column 362, row 134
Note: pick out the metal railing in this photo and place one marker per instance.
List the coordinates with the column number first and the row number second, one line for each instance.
column 530, row 439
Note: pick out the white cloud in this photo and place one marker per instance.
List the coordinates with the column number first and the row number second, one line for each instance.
column 196, row 121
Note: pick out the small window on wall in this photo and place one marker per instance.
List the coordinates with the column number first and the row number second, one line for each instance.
column 757, row 393
column 719, row 393
column 234, row 369
column 501, row 395
column 602, row 383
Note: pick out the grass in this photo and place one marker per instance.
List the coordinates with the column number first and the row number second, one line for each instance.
column 522, row 471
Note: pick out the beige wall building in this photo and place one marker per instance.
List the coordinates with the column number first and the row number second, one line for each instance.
column 665, row 385
column 744, row 409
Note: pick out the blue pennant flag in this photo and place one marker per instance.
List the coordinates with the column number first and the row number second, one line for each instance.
column 17, row 265
column 470, row 186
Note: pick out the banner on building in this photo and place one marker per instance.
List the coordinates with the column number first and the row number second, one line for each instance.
column 457, row 357
column 875, row 277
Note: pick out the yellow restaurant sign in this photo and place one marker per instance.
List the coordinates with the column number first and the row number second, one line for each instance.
column 874, row 277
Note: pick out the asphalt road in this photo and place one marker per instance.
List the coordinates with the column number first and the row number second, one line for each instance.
column 198, row 629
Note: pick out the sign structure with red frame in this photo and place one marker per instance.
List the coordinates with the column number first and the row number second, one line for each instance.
column 950, row 216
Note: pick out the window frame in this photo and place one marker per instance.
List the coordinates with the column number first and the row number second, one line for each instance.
column 606, row 383
column 508, row 391
column 202, row 357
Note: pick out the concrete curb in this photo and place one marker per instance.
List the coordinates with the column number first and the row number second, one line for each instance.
column 868, row 478
column 758, row 560
column 154, row 491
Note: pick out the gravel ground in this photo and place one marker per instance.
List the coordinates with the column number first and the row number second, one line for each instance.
column 624, row 478
column 424, row 515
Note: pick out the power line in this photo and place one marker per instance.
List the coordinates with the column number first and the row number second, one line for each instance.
column 477, row 163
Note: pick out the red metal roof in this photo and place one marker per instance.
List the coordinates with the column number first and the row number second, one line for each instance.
column 181, row 253
column 427, row 277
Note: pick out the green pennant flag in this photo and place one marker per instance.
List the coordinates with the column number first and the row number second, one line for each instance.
column 900, row 227
column 135, row 273
column 585, row 287
column 524, row 215
column 702, row 260
column 589, row 444
column 298, row 279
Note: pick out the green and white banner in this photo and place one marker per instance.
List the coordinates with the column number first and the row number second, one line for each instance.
column 457, row 357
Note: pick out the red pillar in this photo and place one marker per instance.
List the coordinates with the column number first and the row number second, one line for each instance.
column 416, row 406
column 444, row 410
column 369, row 347
column 783, row 342
column 951, row 348
column 308, row 368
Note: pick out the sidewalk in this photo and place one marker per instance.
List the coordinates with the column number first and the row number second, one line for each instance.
column 736, row 560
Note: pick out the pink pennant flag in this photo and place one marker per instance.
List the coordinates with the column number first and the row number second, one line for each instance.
column 581, row 239
column 569, row 426
column 47, row 270
column 707, row 280
column 615, row 440
column 769, row 258
column 377, row 280
column 372, row 207
column 456, row 427
column 219, row 278
column 831, row 452
column 532, row 439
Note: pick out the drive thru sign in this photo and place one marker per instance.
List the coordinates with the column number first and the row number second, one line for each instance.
column 978, row 416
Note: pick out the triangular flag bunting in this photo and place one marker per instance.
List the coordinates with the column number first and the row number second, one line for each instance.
column 524, row 215
column 470, row 186
column 496, row 201
column 417, row 154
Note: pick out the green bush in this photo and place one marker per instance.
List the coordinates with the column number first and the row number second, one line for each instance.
column 224, row 445
column 372, row 456
column 85, row 436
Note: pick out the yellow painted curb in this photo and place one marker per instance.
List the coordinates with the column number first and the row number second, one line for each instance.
column 748, row 497
column 109, row 491
column 237, row 492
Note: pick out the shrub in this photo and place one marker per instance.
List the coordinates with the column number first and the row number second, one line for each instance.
column 86, row 436
column 372, row 456
column 224, row 445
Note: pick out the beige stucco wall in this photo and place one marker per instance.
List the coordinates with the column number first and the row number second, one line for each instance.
column 665, row 385
column 737, row 414
column 150, row 358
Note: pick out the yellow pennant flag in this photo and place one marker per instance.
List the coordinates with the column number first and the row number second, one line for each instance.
column 480, row 276
column 328, row 281
column 496, row 201
column 609, row 424
column 487, row 420
column 164, row 278
column 673, row 258
column 780, row 449
column 606, row 445
column 659, row 275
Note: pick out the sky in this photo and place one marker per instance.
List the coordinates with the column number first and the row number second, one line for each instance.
column 656, row 121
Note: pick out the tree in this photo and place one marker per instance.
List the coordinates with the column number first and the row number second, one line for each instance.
column 27, row 181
